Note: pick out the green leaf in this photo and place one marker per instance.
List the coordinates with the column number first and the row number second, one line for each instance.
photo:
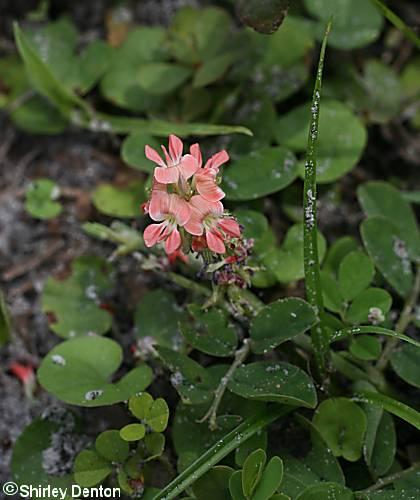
column 38, row 116
column 210, row 333
column 132, row 432
column 277, row 382
column 345, row 332
column 331, row 294
column 342, row 424
column 214, row 484
column 75, row 302
column 157, row 415
column 27, row 457
column 213, row 69
column 119, row 202
column 218, row 451
column 371, row 304
column 127, row 239
column 132, row 151
column 379, row 198
column 355, row 273
column 43, row 80
column 158, row 78
column 252, row 471
column 406, row 364
column 270, row 481
column 391, row 405
column 287, row 262
column 389, row 252
column 259, row 173
column 40, row 199
column 192, row 382
column 93, row 63
column 280, row 321
column 326, row 491
column 366, row 348
column 157, row 317
column 77, row 372
column 337, row 251
column 4, row 321
column 337, row 153
column 356, row 22
column 383, row 452
column 265, row 17
column 111, row 447
column 139, row 405
column 90, row 469
column 257, row 441
column 235, row 486
column 155, row 444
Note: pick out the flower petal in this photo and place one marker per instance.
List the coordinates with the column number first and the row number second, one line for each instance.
column 175, row 148
column 173, row 241
column 153, row 155
column 153, row 233
column 205, row 206
column 158, row 205
column 194, row 224
column 179, row 208
column 217, row 160
column 215, row 242
column 188, row 166
column 167, row 175
column 196, row 152
column 230, row 226
column 208, row 188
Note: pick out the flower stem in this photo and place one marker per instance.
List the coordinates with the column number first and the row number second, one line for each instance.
column 240, row 356
column 402, row 323
column 385, row 481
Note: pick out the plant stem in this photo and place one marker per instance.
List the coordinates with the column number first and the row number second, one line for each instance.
column 240, row 356
column 398, row 22
column 402, row 323
column 385, row 481
column 310, row 234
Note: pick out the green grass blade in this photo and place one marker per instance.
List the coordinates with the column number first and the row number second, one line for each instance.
column 311, row 259
column 397, row 22
column 395, row 407
column 220, row 450
column 357, row 330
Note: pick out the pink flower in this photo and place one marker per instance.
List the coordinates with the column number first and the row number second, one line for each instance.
column 176, row 166
column 173, row 211
column 205, row 178
column 207, row 218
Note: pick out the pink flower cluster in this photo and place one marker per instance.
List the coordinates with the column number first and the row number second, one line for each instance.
column 185, row 201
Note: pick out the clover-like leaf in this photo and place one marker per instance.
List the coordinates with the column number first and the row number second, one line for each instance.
column 41, row 196
column 252, row 471
column 286, row 262
column 193, row 382
column 77, row 372
column 381, row 199
column 366, row 347
column 355, row 273
column 111, row 447
column 132, row 432
column 372, row 304
column 342, row 424
column 270, row 480
column 119, row 202
column 274, row 381
column 265, row 17
column 74, row 304
column 210, row 333
column 90, row 468
column 157, row 317
column 356, row 22
column 383, row 243
column 337, row 153
column 157, row 415
column 214, row 484
column 259, row 173
column 406, row 363
column 280, row 321
column 326, row 491
column 132, row 151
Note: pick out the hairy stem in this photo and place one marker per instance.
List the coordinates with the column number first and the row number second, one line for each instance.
column 310, row 234
column 240, row 356
column 385, row 481
column 402, row 323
